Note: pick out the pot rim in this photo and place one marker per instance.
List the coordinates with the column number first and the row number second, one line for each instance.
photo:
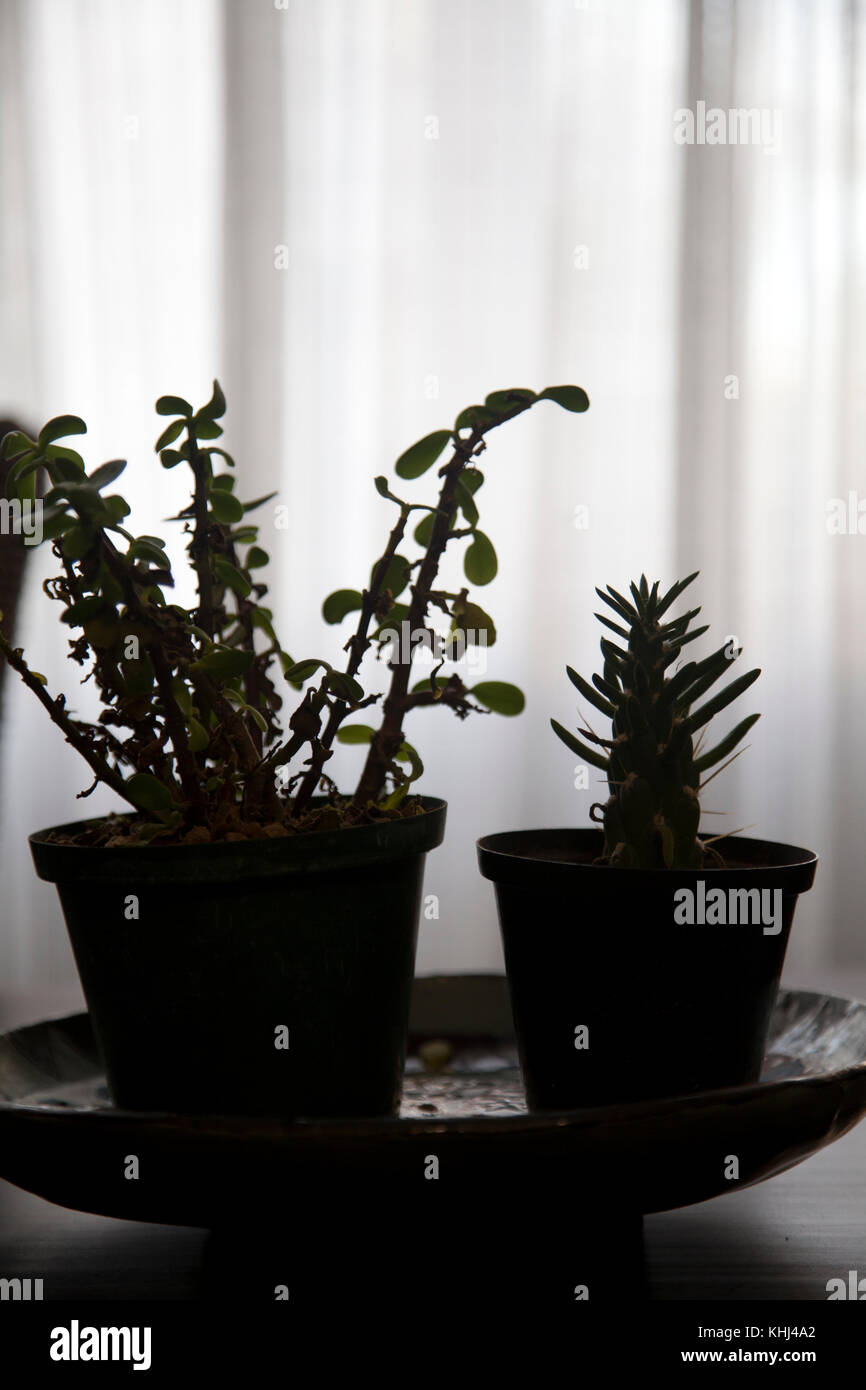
column 319, row 851
column 501, row 858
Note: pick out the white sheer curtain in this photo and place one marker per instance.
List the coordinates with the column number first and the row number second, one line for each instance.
column 363, row 215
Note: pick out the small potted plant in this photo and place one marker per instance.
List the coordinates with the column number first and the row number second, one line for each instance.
column 245, row 935
column 641, row 962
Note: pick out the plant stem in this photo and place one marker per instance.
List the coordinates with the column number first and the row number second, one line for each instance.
column 389, row 736
column 175, row 723
column 72, row 733
column 357, row 645
column 199, row 547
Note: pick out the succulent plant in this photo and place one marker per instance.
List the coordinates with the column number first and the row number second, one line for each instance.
column 191, row 734
column 653, row 766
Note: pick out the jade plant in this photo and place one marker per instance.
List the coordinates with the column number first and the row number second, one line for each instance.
column 192, row 734
column 654, row 768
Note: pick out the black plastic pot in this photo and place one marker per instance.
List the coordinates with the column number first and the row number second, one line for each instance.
column 669, row 1009
column 192, row 957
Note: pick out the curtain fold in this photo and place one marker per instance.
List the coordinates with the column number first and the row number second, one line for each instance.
column 363, row 215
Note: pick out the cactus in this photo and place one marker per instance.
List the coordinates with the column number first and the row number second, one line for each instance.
column 653, row 767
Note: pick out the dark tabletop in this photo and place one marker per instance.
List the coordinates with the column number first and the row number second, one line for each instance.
column 781, row 1240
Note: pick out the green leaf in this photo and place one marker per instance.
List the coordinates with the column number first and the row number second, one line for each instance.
column 620, row 605
column 168, row 436
column 77, row 541
column 214, row 449
column 501, row 401
column 673, row 593
column 407, row 754
column 381, row 486
column 500, row 696
column 725, row 697
column 223, row 482
column 61, row 470
column 259, row 502
column 102, row 631
column 396, row 576
column 24, row 486
column 224, row 662
column 145, row 548
column 589, row 755
column 424, row 529
column 422, row 455
column 476, row 417
column 225, row 508
column 16, row 442
column 149, row 794
column 23, row 466
column 139, row 676
column 354, row 733
column 345, row 687
column 173, row 405
column 476, row 625
column 392, row 620
column 586, row 690
column 472, row 478
column 569, row 397
column 479, row 562
column 207, row 429
column 170, row 458
column 394, row 798
column 60, row 427
column 59, row 451
column 85, row 609
column 726, row 746
column 198, row 737
column 466, row 503
column 183, row 698
column 263, row 620
column 116, row 506
column 612, row 626
column 84, row 498
column 55, row 521
column 339, row 603
column 215, row 407
column 257, row 717
column 256, row 558
column 230, row 576
column 303, row 670
column 106, row 473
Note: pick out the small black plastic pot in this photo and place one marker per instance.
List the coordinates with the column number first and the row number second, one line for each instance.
column 615, row 1000
column 199, row 963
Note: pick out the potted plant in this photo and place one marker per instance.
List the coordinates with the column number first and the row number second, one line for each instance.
column 245, row 935
column 641, row 963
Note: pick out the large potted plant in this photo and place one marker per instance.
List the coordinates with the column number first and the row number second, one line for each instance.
column 245, row 935
column 642, row 960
